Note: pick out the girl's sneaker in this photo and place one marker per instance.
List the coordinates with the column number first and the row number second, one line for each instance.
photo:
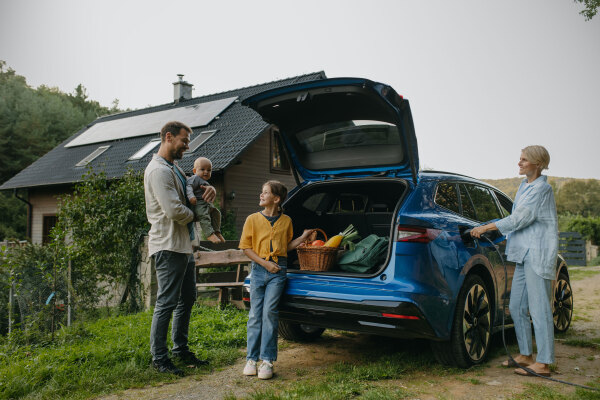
column 250, row 368
column 266, row 370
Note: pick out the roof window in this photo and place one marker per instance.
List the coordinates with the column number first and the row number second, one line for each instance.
column 92, row 156
column 148, row 147
column 198, row 140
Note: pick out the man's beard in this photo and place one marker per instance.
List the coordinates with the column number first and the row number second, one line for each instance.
column 177, row 154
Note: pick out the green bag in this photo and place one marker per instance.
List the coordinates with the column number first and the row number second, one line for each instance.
column 368, row 253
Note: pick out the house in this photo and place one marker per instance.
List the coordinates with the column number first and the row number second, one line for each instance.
column 244, row 150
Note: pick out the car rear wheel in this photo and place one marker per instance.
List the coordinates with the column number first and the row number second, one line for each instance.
column 299, row 332
column 562, row 304
column 471, row 328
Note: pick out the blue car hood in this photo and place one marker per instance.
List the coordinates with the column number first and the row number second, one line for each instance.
column 348, row 127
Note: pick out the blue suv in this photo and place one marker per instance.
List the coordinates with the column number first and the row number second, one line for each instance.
column 354, row 155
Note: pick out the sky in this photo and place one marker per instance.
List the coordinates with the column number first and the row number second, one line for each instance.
column 484, row 79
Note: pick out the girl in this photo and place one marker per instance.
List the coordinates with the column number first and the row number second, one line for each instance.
column 266, row 239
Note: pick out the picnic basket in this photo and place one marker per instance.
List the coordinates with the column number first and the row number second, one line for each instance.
column 316, row 258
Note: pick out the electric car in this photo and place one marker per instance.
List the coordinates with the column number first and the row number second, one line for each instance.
column 354, row 155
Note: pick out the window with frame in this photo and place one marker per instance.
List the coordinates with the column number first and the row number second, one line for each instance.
column 279, row 161
column 484, row 203
column 446, row 196
column 48, row 222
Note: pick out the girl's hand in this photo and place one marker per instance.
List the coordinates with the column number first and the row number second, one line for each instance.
column 271, row 267
column 309, row 234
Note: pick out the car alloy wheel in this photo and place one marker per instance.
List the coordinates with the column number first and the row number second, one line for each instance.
column 562, row 304
column 476, row 322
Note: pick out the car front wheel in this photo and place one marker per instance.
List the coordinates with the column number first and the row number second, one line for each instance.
column 471, row 328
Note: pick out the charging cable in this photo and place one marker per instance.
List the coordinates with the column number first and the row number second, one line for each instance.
column 532, row 372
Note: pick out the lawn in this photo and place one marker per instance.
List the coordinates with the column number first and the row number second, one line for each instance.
column 111, row 354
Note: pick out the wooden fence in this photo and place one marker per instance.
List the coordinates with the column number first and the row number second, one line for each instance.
column 571, row 245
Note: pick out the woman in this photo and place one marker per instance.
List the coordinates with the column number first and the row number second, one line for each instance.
column 532, row 234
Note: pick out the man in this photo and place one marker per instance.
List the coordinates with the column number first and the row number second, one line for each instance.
column 170, row 244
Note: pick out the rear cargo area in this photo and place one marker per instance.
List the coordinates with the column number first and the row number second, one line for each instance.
column 369, row 204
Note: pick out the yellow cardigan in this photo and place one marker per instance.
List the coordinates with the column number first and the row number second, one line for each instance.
column 258, row 234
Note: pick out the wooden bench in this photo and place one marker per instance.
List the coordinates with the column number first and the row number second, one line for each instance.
column 223, row 280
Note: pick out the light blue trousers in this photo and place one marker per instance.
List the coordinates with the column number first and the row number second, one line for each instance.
column 265, row 290
column 532, row 293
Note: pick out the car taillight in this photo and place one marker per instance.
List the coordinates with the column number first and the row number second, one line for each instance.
column 416, row 235
column 400, row 316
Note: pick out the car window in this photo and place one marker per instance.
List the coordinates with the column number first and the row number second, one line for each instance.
column 467, row 208
column 446, row 196
column 316, row 202
column 484, row 203
column 505, row 203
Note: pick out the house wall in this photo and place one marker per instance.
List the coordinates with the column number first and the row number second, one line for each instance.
column 246, row 179
column 44, row 202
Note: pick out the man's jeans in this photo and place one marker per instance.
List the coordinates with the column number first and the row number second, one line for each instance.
column 176, row 277
column 263, row 321
column 530, row 292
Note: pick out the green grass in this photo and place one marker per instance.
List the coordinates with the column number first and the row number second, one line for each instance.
column 111, row 354
column 580, row 273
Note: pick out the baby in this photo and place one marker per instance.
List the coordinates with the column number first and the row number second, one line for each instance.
column 206, row 214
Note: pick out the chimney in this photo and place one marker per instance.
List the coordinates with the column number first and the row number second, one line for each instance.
column 182, row 90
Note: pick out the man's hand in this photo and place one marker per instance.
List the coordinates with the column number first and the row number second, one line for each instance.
column 271, row 267
column 193, row 201
column 209, row 194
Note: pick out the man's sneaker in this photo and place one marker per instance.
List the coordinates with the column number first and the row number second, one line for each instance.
column 250, row 368
column 265, row 371
column 166, row 366
column 188, row 358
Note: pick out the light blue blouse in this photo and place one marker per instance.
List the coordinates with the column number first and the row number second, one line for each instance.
column 533, row 227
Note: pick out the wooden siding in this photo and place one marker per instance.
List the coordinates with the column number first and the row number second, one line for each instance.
column 44, row 202
column 247, row 176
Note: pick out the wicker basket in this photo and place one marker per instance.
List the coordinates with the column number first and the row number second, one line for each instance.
column 316, row 258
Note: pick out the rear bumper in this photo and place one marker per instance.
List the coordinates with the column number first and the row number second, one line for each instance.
column 387, row 318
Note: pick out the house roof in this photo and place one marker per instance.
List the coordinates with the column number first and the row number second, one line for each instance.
column 236, row 128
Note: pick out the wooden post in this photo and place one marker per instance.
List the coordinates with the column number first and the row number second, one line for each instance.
column 69, row 293
column 10, row 304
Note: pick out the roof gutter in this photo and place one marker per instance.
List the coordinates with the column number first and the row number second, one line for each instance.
column 29, row 212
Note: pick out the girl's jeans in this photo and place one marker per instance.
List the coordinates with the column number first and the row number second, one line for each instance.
column 263, row 321
column 532, row 293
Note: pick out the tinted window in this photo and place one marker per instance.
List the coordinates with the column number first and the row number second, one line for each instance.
column 466, row 205
column 505, row 203
column 485, row 205
column 447, row 197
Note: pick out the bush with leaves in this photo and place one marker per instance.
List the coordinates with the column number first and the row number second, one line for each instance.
column 103, row 223
column 589, row 227
column 36, row 275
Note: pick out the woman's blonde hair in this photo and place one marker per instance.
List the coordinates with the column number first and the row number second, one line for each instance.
column 537, row 155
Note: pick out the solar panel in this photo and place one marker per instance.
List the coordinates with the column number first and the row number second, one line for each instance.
column 139, row 125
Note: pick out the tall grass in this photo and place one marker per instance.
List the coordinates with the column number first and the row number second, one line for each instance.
column 110, row 354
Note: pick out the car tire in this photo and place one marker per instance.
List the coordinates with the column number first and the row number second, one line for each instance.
column 471, row 327
column 562, row 303
column 299, row 332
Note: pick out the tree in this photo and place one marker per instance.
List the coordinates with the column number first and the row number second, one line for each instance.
column 579, row 197
column 591, row 8
column 33, row 122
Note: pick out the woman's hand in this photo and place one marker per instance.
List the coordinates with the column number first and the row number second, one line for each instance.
column 272, row 267
column 480, row 230
column 308, row 235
